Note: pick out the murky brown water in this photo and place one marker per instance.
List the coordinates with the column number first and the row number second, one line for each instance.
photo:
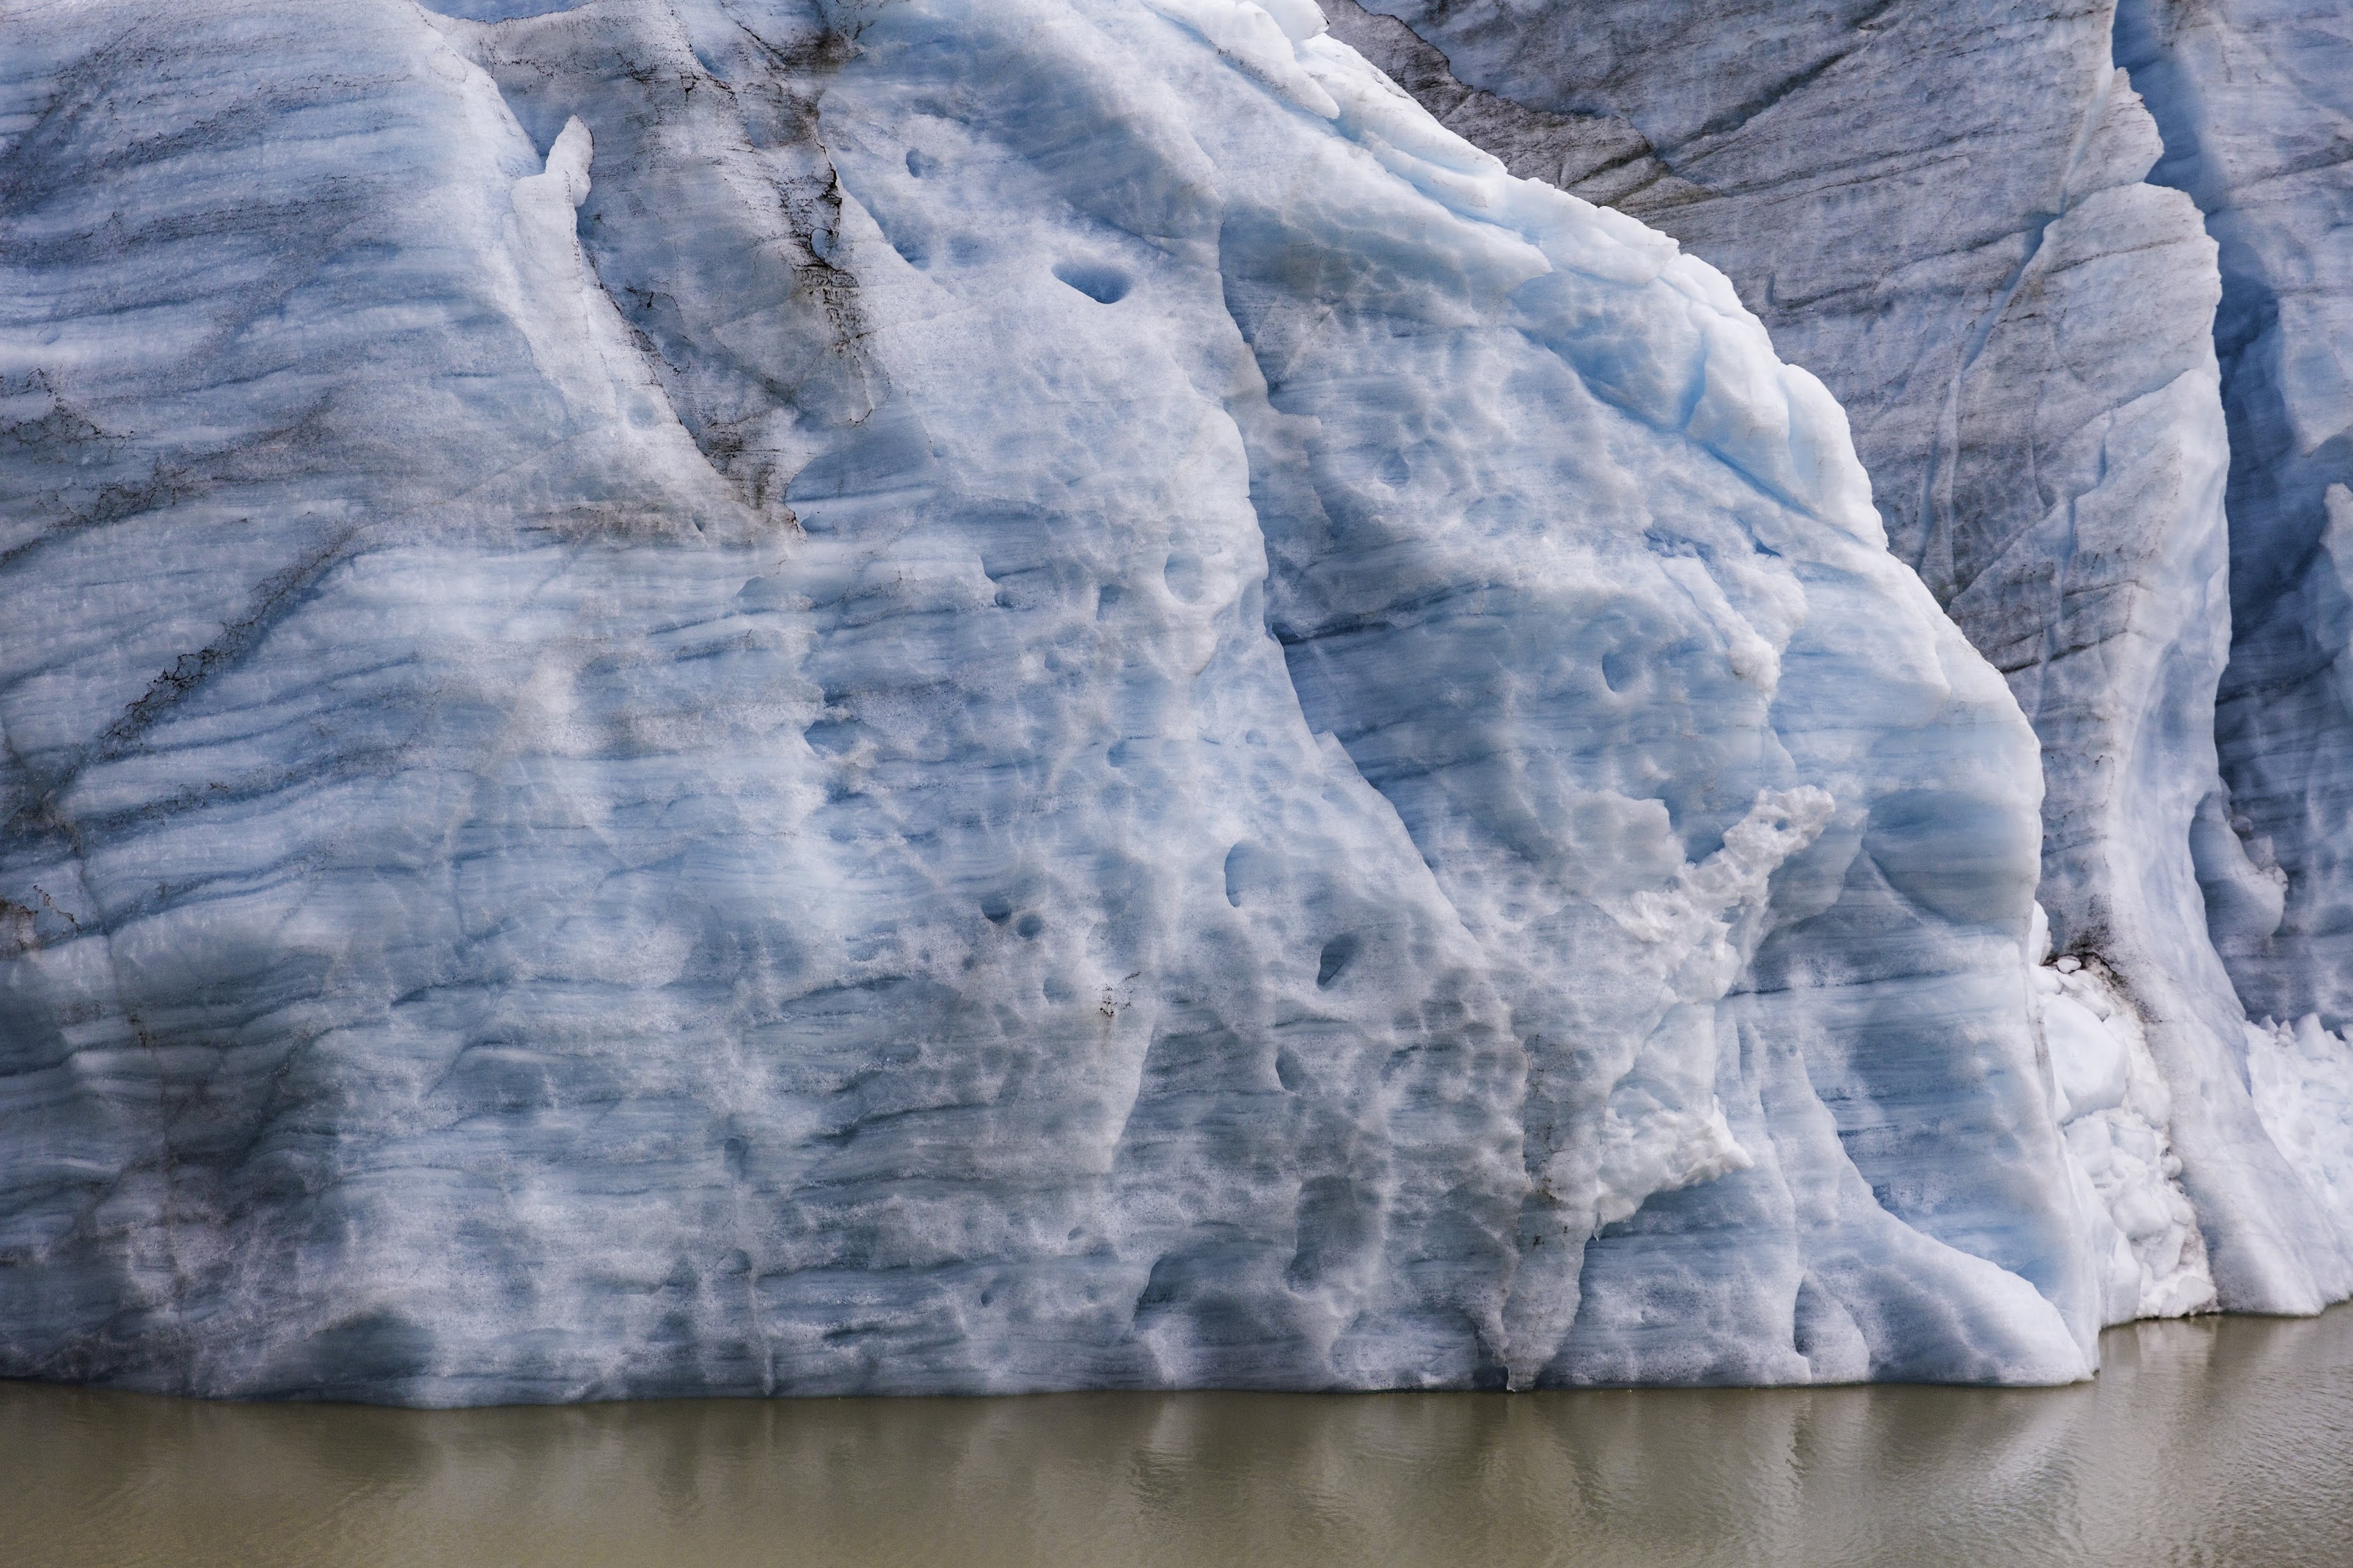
column 2228, row 1441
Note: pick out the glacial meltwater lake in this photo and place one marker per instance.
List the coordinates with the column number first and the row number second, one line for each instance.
column 2219, row 1441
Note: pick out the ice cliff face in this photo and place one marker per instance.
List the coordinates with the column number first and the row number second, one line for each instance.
column 756, row 696
column 2021, row 319
column 938, row 697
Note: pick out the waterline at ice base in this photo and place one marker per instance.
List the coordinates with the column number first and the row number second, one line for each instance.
column 823, row 696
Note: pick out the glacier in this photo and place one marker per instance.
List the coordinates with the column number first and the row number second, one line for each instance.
column 776, row 697
column 2020, row 304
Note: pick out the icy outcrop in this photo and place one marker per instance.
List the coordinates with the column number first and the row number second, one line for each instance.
column 955, row 697
column 2019, row 321
column 2114, row 1107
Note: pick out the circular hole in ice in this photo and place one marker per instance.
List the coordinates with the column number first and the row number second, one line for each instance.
column 1336, row 956
column 1030, row 925
column 1619, row 668
column 1102, row 283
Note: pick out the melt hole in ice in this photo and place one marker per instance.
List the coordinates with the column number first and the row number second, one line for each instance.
column 1105, row 285
column 1337, row 954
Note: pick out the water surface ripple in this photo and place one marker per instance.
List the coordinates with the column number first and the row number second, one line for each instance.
column 2221, row 1441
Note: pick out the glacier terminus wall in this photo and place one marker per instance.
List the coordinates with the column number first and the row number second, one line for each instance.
column 920, row 696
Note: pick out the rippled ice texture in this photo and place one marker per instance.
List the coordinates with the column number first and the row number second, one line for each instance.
column 957, row 697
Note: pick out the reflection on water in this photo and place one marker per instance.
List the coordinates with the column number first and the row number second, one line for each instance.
column 2221, row 1442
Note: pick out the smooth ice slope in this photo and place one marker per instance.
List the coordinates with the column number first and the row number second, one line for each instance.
column 955, row 697
column 1943, row 208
